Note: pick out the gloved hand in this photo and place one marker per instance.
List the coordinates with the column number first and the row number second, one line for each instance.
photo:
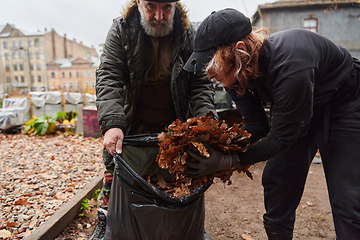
column 216, row 162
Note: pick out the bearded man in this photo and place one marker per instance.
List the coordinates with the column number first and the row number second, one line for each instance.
column 141, row 86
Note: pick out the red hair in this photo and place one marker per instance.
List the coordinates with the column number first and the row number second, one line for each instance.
column 228, row 57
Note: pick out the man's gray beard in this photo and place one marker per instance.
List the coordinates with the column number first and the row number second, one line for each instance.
column 162, row 31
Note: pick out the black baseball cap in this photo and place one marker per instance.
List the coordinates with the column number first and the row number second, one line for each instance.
column 218, row 29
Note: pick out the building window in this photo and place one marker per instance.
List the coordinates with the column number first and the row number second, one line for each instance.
column 38, row 66
column 36, row 42
column 33, row 89
column 8, row 79
column 71, row 85
column 77, row 74
column 31, row 67
column 78, row 85
column 15, row 67
column 6, row 56
column 86, row 84
column 39, row 78
column 52, row 75
column 14, row 55
column 21, row 55
column 86, row 74
column 5, row 44
column 15, row 44
column 7, row 67
column 21, row 66
column 64, row 85
column 70, row 75
column 22, row 79
column 93, row 85
column 63, row 74
column 16, row 80
column 37, row 55
column 21, row 44
column 92, row 74
column 311, row 24
column 30, row 55
column 29, row 43
column 32, row 78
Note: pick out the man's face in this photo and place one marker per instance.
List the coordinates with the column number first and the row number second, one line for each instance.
column 156, row 18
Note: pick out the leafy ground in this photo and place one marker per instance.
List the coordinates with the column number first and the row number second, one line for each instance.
column 39, row 174
column 235, row 211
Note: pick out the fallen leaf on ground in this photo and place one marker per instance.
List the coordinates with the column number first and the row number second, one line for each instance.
column 309, row 203
column 246, row 237
column 5, row 234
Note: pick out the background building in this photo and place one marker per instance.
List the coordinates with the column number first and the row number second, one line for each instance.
column 338, row 20
column 24, row 57
column 73, row 75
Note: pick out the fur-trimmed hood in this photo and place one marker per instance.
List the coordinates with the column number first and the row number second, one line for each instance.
column 131, row 6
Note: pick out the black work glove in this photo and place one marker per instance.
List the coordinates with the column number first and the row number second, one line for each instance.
column 216, row 162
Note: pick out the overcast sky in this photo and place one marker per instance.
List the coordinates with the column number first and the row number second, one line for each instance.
column 89, row 20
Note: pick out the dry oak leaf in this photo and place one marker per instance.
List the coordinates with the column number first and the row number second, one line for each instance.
column 22, row 201
column 192, row 134
column 246, row 237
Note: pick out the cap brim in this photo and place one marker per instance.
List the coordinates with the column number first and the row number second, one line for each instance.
column 198, row 60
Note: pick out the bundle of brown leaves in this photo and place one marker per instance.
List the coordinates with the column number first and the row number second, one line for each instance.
column 192, row 134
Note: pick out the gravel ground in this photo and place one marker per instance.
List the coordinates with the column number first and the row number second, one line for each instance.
column 39, row 175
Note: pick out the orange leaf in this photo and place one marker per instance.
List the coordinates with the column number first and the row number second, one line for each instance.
column 246, row 237
column 21, row 202
column 11, row 224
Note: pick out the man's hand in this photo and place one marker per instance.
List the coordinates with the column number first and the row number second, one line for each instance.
column 205, row 166
column 113, row 140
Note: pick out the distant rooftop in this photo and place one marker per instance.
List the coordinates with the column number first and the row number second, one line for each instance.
column 25, row 32
column 304, row 3
column 67, row 63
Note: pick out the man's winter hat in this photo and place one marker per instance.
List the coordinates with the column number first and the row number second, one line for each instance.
column 218, row 29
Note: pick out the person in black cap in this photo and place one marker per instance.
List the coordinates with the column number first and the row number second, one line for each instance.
column 140, row 84
column 313, row 87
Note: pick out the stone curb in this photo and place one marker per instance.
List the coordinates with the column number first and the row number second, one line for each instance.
column 55, row 224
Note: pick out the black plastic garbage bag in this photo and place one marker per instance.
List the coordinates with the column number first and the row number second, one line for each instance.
column 139, row 211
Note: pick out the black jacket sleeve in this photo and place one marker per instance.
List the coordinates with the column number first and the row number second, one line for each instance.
column 254, row 117
column 291, row 108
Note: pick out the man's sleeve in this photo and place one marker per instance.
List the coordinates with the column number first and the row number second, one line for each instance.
column 201, row 94
column 110, row 82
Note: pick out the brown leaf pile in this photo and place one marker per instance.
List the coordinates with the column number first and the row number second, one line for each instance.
column 192, row 134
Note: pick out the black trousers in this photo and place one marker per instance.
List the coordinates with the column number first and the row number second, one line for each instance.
column 285, row 175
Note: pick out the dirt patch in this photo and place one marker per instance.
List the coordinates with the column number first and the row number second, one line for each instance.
column 235, row 211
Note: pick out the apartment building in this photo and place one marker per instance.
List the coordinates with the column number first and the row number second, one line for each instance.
column 73, row 75
column 24, row 57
